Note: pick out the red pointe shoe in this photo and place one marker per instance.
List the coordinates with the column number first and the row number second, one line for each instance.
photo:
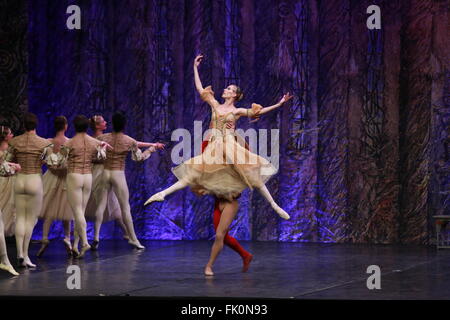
column 246, row 262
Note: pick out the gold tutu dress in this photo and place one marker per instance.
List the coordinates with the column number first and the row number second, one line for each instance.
column 226, row 167
column 55, row 205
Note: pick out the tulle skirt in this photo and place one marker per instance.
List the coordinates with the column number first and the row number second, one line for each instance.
column 225, row 168
column 7, row 208
column 55, row 205
column 112, row 211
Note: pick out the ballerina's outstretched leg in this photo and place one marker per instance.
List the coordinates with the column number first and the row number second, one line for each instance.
column 161, row 195
column 266, row 194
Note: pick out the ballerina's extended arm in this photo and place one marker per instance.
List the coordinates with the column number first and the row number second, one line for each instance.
column 257, row 110
column 139, row 156
column 157, row 145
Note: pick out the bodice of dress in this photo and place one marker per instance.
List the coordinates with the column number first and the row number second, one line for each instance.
column 80, row 151
column 29, row 150
column 8, row 156
column 219, row 121
column 61, row 169
column 98, row 160
column 4, row 167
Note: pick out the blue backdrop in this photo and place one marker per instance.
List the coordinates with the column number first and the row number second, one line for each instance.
column 363, row 145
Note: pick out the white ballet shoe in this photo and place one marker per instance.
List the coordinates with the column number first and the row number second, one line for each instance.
column 136, row 244
column 28, row 263
column 84, row 248
column 68, row 247
column 8, row 268
column 156, row 197
column 283, row 214
column 208, row 271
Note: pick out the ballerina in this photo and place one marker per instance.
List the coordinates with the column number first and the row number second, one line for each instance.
column 7, row 188
column 55, row 205
column 207, row 172
column 31, row 152
column 6, row 169
column 112, row 210
column 79, row 153
column 113, row 176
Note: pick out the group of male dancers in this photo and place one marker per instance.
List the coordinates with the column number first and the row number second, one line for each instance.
column 82, row 171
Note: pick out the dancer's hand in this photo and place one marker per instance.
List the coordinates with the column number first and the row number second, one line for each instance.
column 16, row 166
column 201, row 192
column 107, row 145
column 159, row 145
column 229, row 125
column 197, row 60
column 286, row 97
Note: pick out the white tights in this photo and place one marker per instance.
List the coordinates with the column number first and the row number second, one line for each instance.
column 28, row 201
column 78, row 192
column 116, row 179
column 175, row 187
column 3, row 252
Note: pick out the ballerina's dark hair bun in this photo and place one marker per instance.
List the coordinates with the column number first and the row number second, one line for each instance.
column 239, row 93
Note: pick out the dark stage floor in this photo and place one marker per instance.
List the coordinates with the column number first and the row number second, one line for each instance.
column 279, row 270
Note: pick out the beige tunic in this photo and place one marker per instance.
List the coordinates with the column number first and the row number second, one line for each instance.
column 122, row 145
column 80, row 151
column 29, row 151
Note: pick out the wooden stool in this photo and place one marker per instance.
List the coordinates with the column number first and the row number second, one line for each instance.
column 441, row 222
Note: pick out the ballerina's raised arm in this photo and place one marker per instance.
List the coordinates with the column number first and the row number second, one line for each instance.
column 207, row 93
column 198, row 82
